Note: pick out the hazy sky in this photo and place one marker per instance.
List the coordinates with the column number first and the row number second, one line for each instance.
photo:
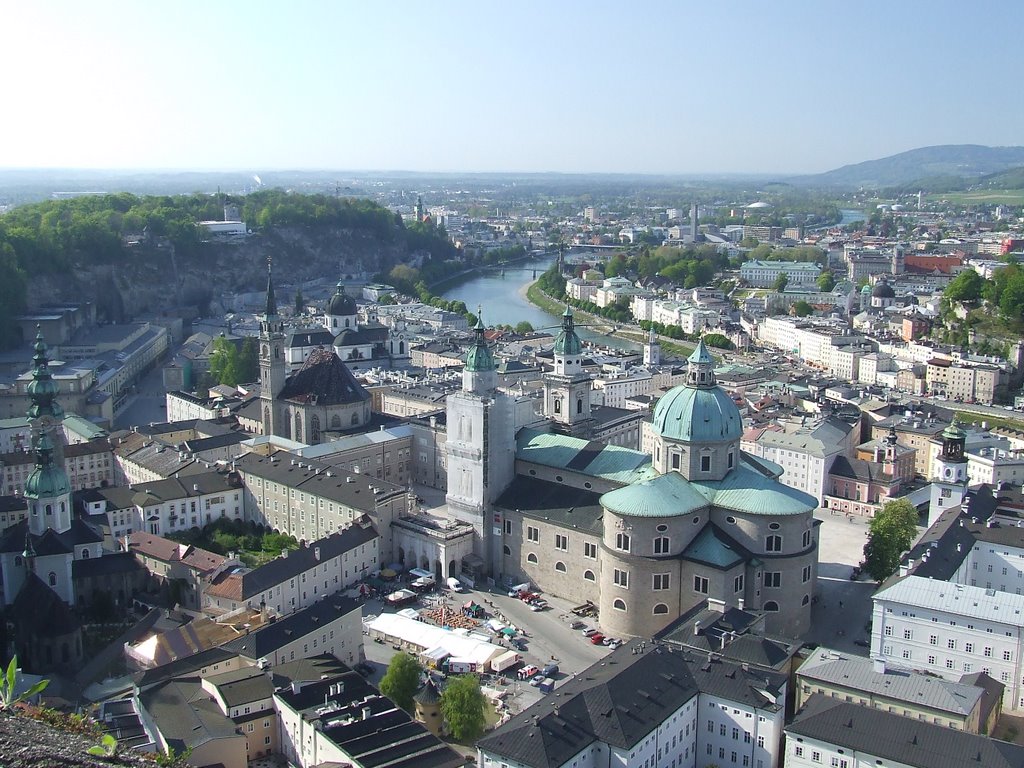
column 662, row 87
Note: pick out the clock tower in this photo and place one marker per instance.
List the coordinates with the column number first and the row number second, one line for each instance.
column 272, row 361
column 949, row 486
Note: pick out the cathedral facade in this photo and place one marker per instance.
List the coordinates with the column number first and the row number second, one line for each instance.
column 644, row 537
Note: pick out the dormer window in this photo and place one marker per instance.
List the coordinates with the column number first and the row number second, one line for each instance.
column 705, row 463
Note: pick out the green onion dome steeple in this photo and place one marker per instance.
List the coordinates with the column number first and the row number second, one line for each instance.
column 42, row 390
column 568, row 342
column 47, row 479
column 479, row 357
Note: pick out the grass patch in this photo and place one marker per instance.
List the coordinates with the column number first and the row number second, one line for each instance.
column 1008, row 196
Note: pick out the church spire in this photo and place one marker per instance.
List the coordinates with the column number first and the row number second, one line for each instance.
column 271, row 310
column 42, row 390
column 479, row 357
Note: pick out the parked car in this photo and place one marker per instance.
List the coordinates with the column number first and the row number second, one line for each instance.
column 577, row 625
column 549, row 670
column 536, row 680
column 528, row 672
column 597, row 638
column 589, row 632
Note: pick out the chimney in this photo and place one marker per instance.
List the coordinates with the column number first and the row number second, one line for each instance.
column 316, row 553
column 740, row 603
column 696, row 627
column 195, row 487
column 296, row 686
column 878, row 665
column 366, row 713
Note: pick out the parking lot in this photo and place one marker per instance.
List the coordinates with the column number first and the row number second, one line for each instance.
column 548, row 637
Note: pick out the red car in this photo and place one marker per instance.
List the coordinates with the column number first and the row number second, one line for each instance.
column 597, row 638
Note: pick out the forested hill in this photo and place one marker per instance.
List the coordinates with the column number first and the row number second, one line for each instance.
column 140, row 255
column 968, row 161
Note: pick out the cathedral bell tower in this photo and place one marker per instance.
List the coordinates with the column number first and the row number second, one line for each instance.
column 272, row 362
column 481, row 455
column 567, row 390
column 949, row 486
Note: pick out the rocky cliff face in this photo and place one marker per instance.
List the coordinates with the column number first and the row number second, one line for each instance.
column 153, row 277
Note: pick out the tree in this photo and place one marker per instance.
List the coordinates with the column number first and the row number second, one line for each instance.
column 802, row 308
column 402, row 679
column 224, row 362
column 967, row 286
column 247, row 366
column 826, row 281
column 780, row 282
column 891, row 533
column 523, row 327
column 462, row 705
column 719, row 341
column 300, row 302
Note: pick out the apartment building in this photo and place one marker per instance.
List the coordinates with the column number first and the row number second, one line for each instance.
column 88, row 464
column 763, row 274
column 961, row 381
column 298, row 578
column 682, row 709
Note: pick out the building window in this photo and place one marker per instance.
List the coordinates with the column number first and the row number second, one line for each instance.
column 506, row 550
column 737, row 583
column 675, row 461
column 660, row 609
column 532, row 534
column 560, row 566
column 508, row 527
column 730, row 460
column 589, row 575
column 773, row 579
column 661, row 581
column 700, row 584
column 620, row 578
column 590, row 550
column 771, row 606
column 531, row 558
column 561, row 542
column 619, row 605
column 705, row 463
column 53, row 579
column 622, row 542
column 661, row 545
column 773, row 543
column 805, row 575
column 807, row 539
column 558, row 405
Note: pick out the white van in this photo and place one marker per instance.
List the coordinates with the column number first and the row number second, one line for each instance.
column 454, row 584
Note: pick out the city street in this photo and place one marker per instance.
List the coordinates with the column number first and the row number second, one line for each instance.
column 147, row 403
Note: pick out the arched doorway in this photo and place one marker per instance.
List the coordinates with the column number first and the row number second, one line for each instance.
column 453, row 569
column 438, row 573
column 424, row 562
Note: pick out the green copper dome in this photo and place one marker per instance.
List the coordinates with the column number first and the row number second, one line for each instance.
column 697, row 415
column 568, row 343
column 698, row 411
column 479, row 357
column 47, row 480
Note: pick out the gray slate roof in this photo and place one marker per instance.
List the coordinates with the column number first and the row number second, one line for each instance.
column 270, row 637
column 900, row 739
column 857, row 672
column 619, row 700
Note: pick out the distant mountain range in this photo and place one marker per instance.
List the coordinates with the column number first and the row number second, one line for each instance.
column 948, row 161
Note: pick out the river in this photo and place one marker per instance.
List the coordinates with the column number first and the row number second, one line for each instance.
column 850, row 215
column 502, row 301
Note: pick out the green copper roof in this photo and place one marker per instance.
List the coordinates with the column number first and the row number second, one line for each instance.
column 954, row 432
column 271, row 308
column 47, row 480
column 609, row 462
column 696, row 414
column 700, row 355
column 713, row 548
column 667, row 495
column 752, row 488
column 479, row 357
column 568, row 342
